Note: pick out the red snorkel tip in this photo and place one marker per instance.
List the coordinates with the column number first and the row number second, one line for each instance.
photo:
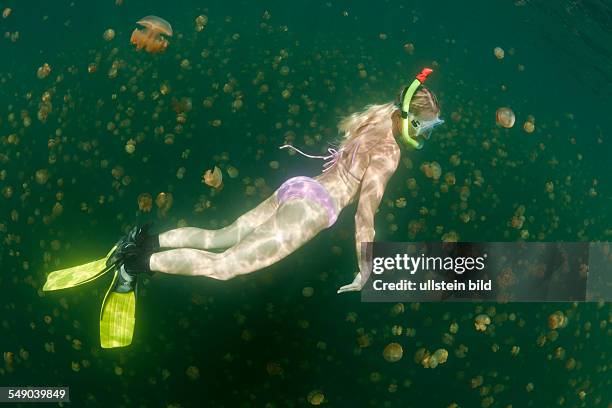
column 423, row 75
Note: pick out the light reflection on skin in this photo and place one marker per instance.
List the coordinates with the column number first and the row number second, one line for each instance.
column 271, row 231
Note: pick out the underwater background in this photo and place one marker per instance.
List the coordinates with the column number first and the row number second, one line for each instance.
column 104, row 137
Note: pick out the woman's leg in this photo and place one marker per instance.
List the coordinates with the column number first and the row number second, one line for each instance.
column 190, row 237
column 294, row 223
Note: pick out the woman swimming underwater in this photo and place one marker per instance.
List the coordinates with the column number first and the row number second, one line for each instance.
column 359, row 169
column 302, row 206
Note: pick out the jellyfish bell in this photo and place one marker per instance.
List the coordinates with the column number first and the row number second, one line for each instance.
column 557, row 320
column 316, row 397
column 156, row 24
column 201, row 21
column 213, row 178
column 481, row 322
column 441, row 355
column 109, row 34
column 185, row 104
column 151, row 37
column 145, row 202
column 505, row 117
column 393, row 352
column 498, row 52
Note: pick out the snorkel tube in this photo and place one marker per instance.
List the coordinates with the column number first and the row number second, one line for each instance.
column 406, row 97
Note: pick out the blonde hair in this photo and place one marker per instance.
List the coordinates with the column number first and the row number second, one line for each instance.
column 376, row 118
column 424, row 104
column 373, row 116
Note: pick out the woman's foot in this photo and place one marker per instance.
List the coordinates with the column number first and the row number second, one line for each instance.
column 130, row 245
column 126, row 280
column 132, row 256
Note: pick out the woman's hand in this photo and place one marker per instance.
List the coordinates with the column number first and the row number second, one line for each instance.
column 354, row 286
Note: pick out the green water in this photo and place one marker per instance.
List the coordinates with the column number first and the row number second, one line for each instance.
column 257, row 341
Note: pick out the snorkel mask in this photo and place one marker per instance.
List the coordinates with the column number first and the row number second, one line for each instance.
column 411, row 127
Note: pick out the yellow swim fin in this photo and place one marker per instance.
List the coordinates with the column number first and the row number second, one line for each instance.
column 118, row 312
column 117, row 317
column 77, row 275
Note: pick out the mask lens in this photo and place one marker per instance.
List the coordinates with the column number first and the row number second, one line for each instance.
column 425, row 133
column 425, row 128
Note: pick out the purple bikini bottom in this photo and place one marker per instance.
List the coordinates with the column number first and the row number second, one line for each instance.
column 306, row 187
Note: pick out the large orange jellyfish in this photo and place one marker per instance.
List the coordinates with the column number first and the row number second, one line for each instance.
column 150, row 38
column 505, row 117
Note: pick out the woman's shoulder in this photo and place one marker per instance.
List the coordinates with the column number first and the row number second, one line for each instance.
column 386, row 146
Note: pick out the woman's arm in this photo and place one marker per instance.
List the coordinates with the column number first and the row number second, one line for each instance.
column 383, row 163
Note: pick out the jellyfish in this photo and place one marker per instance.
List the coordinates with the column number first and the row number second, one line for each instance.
column 9, row 357
column 436, row 170
column 427, row 169
column 145, row 202
column 201, row 22
column 164, row 202
column 192, row 372
column 232, row 172
column 481, row 322
column 421, row 356
column 24, row 354
column 77, row 344
column 150, row 38
column 213, row 178
column 397, row 309
column 42, row 176
column 393, row 352
column 441, row 355
column 476, row 381
column 498, row 52
column 316, row 397
column 505, row 117
column 307, row 292
column 182, row 105
column 43, row 71
column 109, row 34
column 274, row 368
column 557, row 320
column 57, row 210
column 130, row 146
